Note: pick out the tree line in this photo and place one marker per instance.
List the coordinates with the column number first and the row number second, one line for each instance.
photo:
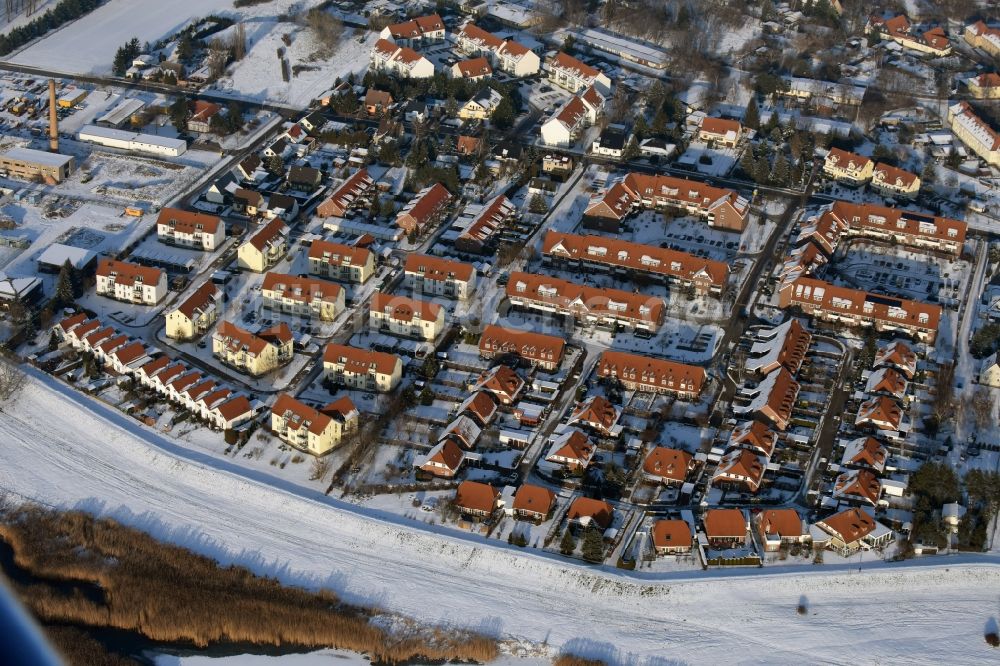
column 64, row 12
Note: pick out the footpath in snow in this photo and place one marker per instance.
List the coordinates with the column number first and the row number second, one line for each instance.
column 60, row 448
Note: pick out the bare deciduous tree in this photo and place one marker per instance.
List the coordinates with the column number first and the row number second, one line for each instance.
column 12, row 381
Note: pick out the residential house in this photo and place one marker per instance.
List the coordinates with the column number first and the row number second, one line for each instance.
column 249, row 202
column 377, row 101
column 444, row 460
column 353, row 193
column 587, row 305
column 848, row 167
column 304, row 178
column 981, row 36
column 535, row 349
column 671, row 537
column 899, row 29
column 741, row 469
column 564, row 127
column 196, row 314
column 132, row 283
column 467, row 145
column 887, row 381
column 584, row 512
column 480, row 407
column 422, row 29
column 571, row 449
column 990, row 374
column 725, row 528
column 610, row 142
column 502, row 382
column 899, row 356
column 517, row 59
column 196, row 231
column 754, row 436
column 424, row 210
column 252, row 353
column 772, row 399
column 598, row 415
column 426, row 274
column 865, row 453
column 478, row 500
column 481, row 106
column 362, row 369
column 890, row 181
column 720, row 132
column 652, row 375
column 202, row 113
column 985, row 85
column 265, row 248
column 337, row 261
column 667, row 466
column 533, row 502
column 778, row 527
column 406, row 317
column 858, row 486
column 879, row 413
column 302, row 296
column 850, row 531
column 400, row 61
column 315, row 431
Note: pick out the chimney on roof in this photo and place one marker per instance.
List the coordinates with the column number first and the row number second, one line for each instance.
column 53, row 119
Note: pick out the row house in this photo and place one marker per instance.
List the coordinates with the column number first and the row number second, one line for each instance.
column 567, row 72
column 196, row 314
column 984, row 86
column 315, row 431
column 253, row 353
column 975, row 132
column 772, row 399
column 485, row 225
column 502, row 382
column 424, row 210
column 196, row 231
column 429, row 29
column 900, row 30
column 336, row 261
column 219, row 405
column 401, row 61
column 783, row 346
column 891, row 181
column 535, row 349
column 362, row 369
column 720, row 131
column 568, row 122
column 847, row 167
column 587, row 305
column 507, row 55
column 720, row 207
column 981, row 36
column 406, row 317
column 131, row 283
column 441, row 277
column 302, row 296
column 354, row 193
column 626, row 258
column 265, row 248
column 652, row 375
column 853, row 307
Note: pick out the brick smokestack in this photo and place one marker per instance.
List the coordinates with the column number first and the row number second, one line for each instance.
column 53, row 119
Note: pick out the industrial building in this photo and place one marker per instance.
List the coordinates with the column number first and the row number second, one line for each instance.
column 121, row 114
column 30, row 164
column 150, row 144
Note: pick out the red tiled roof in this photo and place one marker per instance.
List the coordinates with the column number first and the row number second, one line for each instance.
column 671, row 534
column 267, row 233
column 528, row 345
column 725, row 523
column 403, row 308
column 598, row 511
column 572, row 297
column 339, row 254
column 128, row 273
column 360, row 361
column 475, row 496
column 188, row 222
column 535, row 499
column 573, row 66
column 474, row 67
column 199, row 300
column 438, row 268
column 667, row 463
column 652, row 372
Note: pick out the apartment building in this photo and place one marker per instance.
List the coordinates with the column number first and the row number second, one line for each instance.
column 567, row 72
column 899, row 29
column 422, row 29
column 904, row 227
column 487, row 221
column 565, row 126
column 625, row 258
column 362, row 369
column 441, row 277
column 132, row 283
column 400, row 61
column 252, row 353
column 196, row 314
column 196, row 231
column 507, row 55
column 975, row 132
column 981, row 36
column 265, row 248
column 721, row 208
column 425, row 209
column 535, row 349
column 352, row 194
column 315, row 431
column 894, row 182
column 302, row 296
column 846, row 167
column 587, row 305
column 652, row 375
column 406, row 317
column 337, row 261
column 984, row 86
column 858, row 308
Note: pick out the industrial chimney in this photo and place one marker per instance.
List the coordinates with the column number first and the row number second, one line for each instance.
column 53, row 119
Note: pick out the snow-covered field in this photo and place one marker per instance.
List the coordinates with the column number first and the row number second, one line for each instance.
column 61, row 448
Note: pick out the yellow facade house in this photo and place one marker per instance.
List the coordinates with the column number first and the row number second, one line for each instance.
column 265, row 248
column 315, row 431
column 253, row 353
column 196, row 314
column 362, row 369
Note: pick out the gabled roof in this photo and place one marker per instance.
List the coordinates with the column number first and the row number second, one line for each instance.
column 652, row 372
column 574, row 67
column 897, row 355
column 402, row 308
column 188, row 222
column 725, row 524
column 360, row 361
column 438, row 269
column 865, row 452
column 199, row 300
column 781, row 523
column 426, row 204
column 881, row 411
column 565, row 295
column 889, row 309
column 129, row 273
column 886, row 173
column 475, row 496
column 299, row 415
column 533, row 498
column 721, row 127
column 526, row 344
column 375, row 97
column 572, row 445
column 446, row 453
column 843, row 159
column 474, row 33
column 886, row 380
column 596, row 411
column 753, row 435
column 774, row 398
column 741, row 466
column 72, row 321
column 858, row 484
column 234, row 338
column 850, row 525
column 782, row 346
column 234, row 408
column 598, row 511
column 302, row 289
column 501, row 380
column 267, row 234
column 481, row 406
column 474, row 67
column 339, row 254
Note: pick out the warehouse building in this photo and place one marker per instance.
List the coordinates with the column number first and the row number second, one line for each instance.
column 150, row 144
column 30, row 164
column 121, row 114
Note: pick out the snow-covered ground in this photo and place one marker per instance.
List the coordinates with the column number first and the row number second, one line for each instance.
column 61, row 448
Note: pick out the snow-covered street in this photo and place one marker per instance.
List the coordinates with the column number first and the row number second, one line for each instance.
column 61, row 448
